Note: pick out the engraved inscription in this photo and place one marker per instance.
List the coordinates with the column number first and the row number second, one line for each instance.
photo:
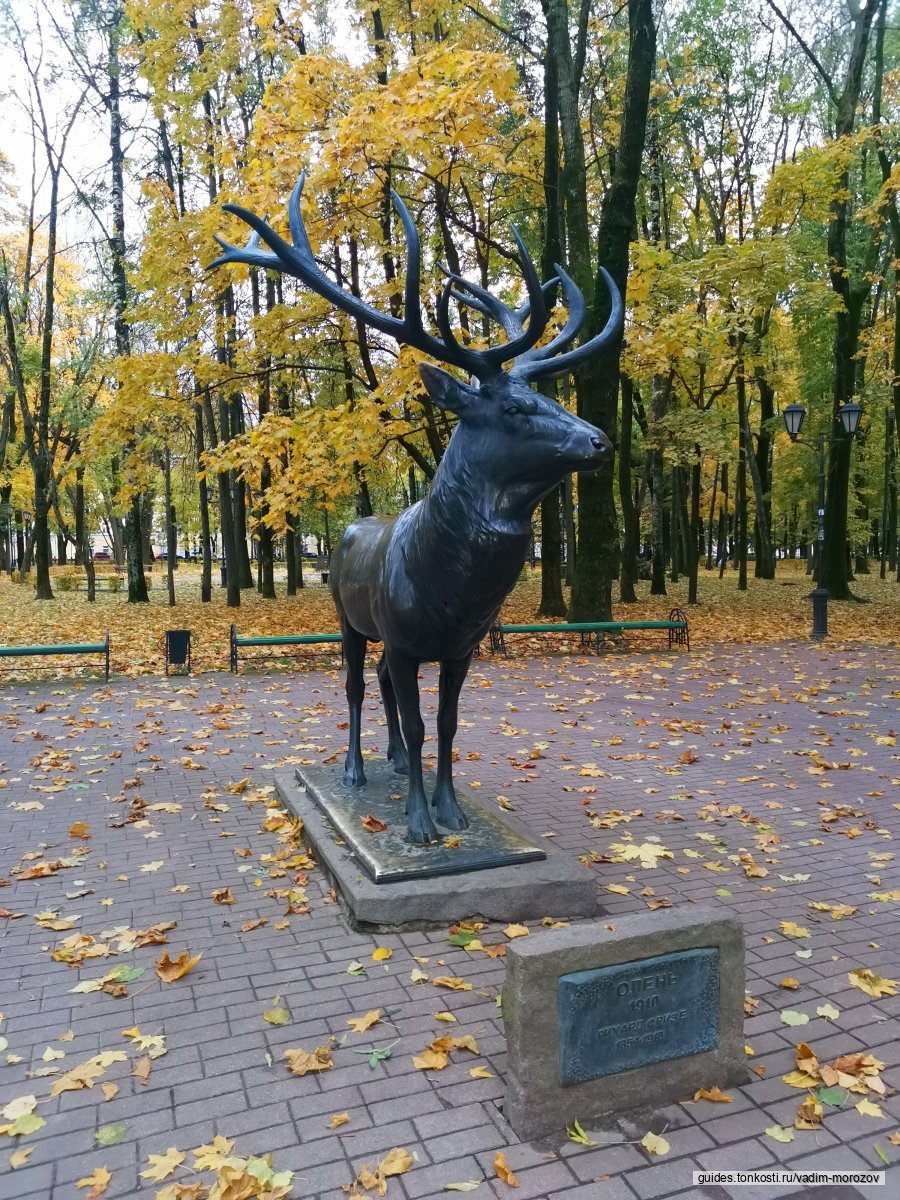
column 617, row 1018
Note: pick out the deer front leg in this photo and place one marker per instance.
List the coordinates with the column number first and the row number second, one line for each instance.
column 446, row 809
column 396, row 750
column 404, row 676
column 355, row 655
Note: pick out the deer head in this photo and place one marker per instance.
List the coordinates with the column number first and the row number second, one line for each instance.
column 530, row 440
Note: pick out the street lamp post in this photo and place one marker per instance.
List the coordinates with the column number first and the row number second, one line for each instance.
column 794, row 415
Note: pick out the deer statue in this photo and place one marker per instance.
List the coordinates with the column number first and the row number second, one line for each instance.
column 429, row 583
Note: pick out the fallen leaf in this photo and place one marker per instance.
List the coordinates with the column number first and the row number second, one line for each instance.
column 715, row 1094
column 792, row 929
column 381, row 954
column 789, row 1017
column 790, row 983
column 445, row 1016
column 20, row 1157
column 213, row 1155
column 868, row 1109
column 142, row 1068
column 828, row 1011
column 654, row 1143
column 481, row 1073
column 516, row 931
column 870, row 983
column 223, row 895
column 366, row 1021
column 79, row 830
column 338, row 1119
column 468, row 1186
column 780, row 1133
column 809, row 1114
column 372, row 823
column 169, row 969
column 161, row 1166
column 110, row 1135
column 575, row 1133
column 501, row 1168
column 98, row 1181
column 453, row 982
column 278, row 1014
column 303, row 1062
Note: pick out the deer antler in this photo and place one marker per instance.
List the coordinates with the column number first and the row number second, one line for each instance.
column 296, row 258
column 546, row 362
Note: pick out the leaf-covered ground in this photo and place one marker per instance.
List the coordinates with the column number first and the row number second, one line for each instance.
column 770, row 611
column 181, row 998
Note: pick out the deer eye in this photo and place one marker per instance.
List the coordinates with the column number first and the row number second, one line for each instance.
column 512, row 410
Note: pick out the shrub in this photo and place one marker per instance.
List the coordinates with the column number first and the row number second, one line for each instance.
column 67, row 582
column 115, row 582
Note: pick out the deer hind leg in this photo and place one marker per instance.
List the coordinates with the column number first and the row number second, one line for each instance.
column 446, row 809
column 355, row 654
column 404, row 676
column 396, row 750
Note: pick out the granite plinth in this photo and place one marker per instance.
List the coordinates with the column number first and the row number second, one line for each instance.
column 603, row 1019
column 386, row 855
column 524, row 891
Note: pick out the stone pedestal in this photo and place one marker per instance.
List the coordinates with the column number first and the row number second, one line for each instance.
column 556, row 885
column 600, row 1020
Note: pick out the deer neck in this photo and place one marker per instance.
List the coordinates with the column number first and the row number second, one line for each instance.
column 467, row 498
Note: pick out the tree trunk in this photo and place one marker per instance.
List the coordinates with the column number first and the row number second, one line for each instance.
column 203, row 497
column 552, row 601
column 171, row 548
column 740, row 497
column 598, row 383
column 695, row 530
column 630, row 521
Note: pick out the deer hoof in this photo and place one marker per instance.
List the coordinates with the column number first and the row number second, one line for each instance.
column 400, row 761
column 451, row 816
column 354, row 777
column 421, row 830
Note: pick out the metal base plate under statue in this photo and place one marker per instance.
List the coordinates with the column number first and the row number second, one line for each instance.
column 496, row 871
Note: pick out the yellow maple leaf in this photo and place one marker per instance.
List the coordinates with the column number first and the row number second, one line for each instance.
column 431, row 1060
column 714, row 1093
column 792, row 929
column 302, row 1062
column 338, row 1119
column 381, row 954
column 169, row 969
column 161, row 1166
column 868, row 1109
column 870, row 983
column 212, row 1155
column 366, row 1021
column 98, row 1181
column 516, row 931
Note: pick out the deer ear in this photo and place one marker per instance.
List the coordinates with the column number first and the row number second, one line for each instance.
column 447, row 393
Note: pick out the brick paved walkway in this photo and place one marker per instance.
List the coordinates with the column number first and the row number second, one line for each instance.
column 794, row 763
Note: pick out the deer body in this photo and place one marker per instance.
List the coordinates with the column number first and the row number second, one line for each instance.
column 429, row 583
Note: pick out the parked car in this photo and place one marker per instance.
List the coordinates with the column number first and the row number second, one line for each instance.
column 102, row 556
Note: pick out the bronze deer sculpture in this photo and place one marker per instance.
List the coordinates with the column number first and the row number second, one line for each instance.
column 429, row 583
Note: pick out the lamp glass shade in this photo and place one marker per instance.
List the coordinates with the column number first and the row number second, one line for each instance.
column 794, row 416
column 850, row 414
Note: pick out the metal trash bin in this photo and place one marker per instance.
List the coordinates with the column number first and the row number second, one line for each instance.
column 224, row 571
column 178, row 650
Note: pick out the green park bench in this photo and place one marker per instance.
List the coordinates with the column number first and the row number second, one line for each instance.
column 676, row 627
column 287, row 639
column 61, row 648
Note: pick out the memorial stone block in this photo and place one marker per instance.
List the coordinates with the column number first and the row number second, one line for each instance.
column 639, row 1011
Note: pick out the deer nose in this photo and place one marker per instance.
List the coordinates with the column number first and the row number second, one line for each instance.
column 600, row 442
